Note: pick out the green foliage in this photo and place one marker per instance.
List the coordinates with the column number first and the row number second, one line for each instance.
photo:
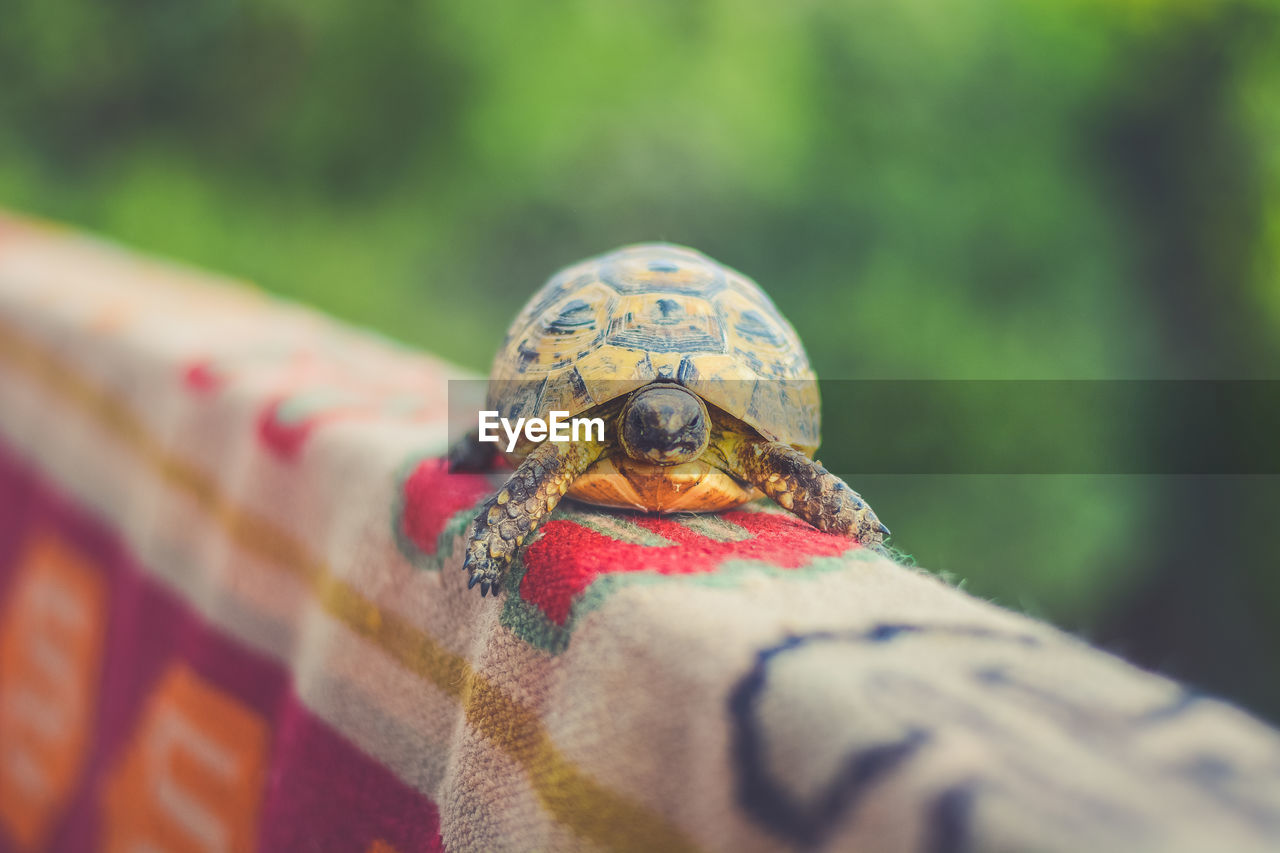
column 1008, row 189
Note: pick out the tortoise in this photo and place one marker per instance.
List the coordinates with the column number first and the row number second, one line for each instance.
column 706, row 393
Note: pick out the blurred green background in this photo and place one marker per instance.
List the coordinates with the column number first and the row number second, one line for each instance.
column 995, row 189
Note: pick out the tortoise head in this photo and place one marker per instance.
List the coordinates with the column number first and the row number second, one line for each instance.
column 664, row 425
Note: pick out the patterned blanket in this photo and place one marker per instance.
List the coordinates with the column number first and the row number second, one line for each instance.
column 232, row 617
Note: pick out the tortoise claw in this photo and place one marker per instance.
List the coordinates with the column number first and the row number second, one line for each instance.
column 486, row 572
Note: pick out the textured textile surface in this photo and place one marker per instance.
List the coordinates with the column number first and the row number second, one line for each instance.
column 232, row 617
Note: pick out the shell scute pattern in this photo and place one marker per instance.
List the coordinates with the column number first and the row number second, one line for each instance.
column 614, row 323
column 660, row 268
column 664, row 325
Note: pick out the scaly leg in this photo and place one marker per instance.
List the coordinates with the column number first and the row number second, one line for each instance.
column 800, row 484
column 512, row 514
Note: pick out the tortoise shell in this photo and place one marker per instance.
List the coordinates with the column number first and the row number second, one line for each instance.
column 657, row 312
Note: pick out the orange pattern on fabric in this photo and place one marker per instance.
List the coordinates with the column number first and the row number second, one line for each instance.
column 51, row 638
column 605, row 817
column 192, row 775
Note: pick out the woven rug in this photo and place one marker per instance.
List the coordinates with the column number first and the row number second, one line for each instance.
column 232, row 617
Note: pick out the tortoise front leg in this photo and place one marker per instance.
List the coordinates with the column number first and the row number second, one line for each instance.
column 529, row 495
column 800, row 484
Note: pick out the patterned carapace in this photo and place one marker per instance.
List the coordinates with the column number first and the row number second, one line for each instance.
column 609, row 325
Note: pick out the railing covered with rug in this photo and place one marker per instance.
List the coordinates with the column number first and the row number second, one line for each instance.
column 232, row 616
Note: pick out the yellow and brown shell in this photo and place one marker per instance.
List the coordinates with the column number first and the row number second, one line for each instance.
column 657, row 312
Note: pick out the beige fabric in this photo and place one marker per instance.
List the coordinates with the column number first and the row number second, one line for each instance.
column 739, row 684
